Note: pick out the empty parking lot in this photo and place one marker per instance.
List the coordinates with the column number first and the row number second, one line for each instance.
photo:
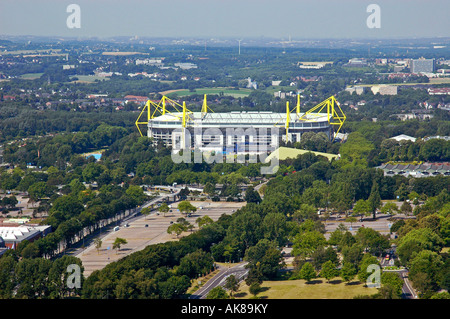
column 138, row 235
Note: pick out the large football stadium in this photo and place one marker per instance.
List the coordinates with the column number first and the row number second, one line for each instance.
column 238, row 132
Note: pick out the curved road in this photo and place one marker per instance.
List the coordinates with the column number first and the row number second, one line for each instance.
column 219, row 280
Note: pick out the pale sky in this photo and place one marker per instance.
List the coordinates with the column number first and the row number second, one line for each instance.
column 299, row 19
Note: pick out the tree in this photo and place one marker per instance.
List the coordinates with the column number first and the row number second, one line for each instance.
column 118, row 242
column 145, row 211
column 98, row 244
column 196, row 263
column 265, row 257
column 374, row 199
column 252, row 196
column 417, row 240
column 406, row 208
column 8, row 278
column 9, row 202
column 361, row 207
column 430, row 264
column 164, row 208
column 209, row 189
column 183, row 194
column 321, row 256
column 389, row 208
column 203, row 221
column 348, row 272
column 352, row 254
column 254, row 289
column 394, row 281
column 306, row 211
column 356, row 149
column 329, row 270
column 274, row 227
column 351, row 220
column 176, row 228
column 307, row 272
column 31, row 250
column 372, row 240
column 186, row 207
column 307, row 242
column 217, row 293
column 232, row 284
column 136, row 193
column 40, row 190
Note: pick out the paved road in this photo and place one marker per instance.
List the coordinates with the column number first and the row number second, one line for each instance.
column 407, row 289
column 219, row 280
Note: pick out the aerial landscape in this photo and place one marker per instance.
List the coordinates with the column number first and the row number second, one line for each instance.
column 224, row 165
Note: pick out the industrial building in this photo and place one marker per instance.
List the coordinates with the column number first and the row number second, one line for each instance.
column 244, row 132
column 12, row 234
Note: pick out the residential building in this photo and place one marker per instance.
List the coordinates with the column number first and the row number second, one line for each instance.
column 421, row 170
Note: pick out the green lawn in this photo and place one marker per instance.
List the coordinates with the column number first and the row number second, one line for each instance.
column 31, row 76
column 299, row 289
column 226, row 91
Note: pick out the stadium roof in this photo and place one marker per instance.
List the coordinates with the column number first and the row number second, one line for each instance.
column 239, row 118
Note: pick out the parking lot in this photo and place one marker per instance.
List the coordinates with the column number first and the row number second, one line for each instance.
column 138, row 235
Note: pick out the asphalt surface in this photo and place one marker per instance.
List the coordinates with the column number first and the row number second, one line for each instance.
column 239, row 271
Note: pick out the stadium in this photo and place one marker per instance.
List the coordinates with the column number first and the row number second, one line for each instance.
column 236, row 132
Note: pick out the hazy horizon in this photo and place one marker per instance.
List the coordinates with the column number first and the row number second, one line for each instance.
column 299, row 20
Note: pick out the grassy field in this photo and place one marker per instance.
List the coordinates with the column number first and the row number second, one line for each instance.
column 226, row 91
column 439, row 80
column 299, row 289
column 31, row 76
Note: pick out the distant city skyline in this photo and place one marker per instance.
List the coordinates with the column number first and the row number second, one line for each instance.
column 294, row 19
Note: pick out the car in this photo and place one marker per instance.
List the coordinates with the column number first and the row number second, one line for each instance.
column 387, row 257
column 116, row 228
column 146, row 225
column 171, row 222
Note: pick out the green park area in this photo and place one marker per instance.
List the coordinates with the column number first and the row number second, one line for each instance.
column 220, row 90
column 300, row 289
